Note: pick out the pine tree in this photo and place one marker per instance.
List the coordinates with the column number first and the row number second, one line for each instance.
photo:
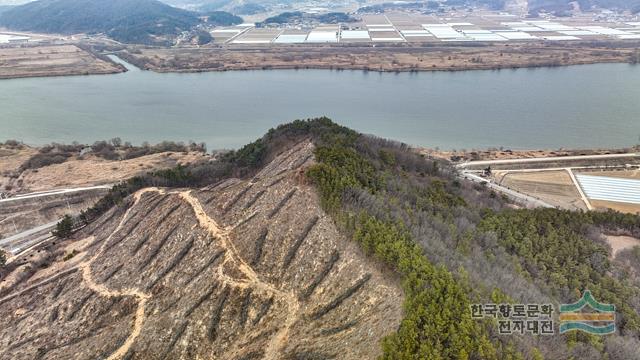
column 64, row 228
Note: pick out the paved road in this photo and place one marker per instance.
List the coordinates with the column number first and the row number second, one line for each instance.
column 511, row 193
column 27, row 239
column 24, row 234
column 578, row 168
column 579, row 188
column 53, row 192
column 546, row 159
column 28, row 246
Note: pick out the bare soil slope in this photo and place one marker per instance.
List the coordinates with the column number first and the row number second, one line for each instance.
column 239, row 270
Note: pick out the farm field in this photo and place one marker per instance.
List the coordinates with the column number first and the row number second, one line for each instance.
column 405, row 27
column 554, row 187
column 626, row 174
column 16, row 62
column 613, row 189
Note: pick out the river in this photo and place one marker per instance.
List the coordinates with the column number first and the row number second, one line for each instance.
column 571, row 107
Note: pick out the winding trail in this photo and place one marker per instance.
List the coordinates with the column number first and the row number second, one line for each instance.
column 231, row 255
column 101, row 289
column 253, row 280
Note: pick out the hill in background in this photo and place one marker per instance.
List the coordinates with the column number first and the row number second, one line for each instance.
column 564, row 7
column 131, row 21
column 299, row 17
column 222, row 18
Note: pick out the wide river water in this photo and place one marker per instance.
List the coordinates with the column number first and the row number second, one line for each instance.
column 572, row 107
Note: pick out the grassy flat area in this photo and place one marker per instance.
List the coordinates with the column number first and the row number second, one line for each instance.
column 51, row 61
column 554, row 187
column 414, row 57
column 618, row 206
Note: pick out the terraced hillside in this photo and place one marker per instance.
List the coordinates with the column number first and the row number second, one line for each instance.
column 243, row 269
column 234, row 258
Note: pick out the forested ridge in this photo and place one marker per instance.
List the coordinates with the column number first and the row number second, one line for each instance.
column 299, row 16
column 451, row 243
column 564, row 7
column 130, row 21
column 222, row 18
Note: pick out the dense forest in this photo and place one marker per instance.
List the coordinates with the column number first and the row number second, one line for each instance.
column 298, row 17
column 130, row 21
column 222, row 18
column 452, row 243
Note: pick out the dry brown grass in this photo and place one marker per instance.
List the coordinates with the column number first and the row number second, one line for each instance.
column 618, row 206
column 94, row 171
column 398, row 57
column 619, row 243
column 10, row 161
column 51, row 61
column 509, row 154
column 554, row 187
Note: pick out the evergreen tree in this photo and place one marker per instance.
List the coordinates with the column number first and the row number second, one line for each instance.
column 64, row 228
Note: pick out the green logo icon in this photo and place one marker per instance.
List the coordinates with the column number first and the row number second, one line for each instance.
column 600, row 322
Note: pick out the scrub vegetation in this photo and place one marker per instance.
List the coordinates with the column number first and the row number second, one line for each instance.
column 113, row 149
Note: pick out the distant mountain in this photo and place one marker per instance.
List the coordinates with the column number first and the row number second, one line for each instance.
column 222, row 18
column 131, row 21
column 298, row 17
column 249, row 9
column 633, row 5
column 558, row 7
column 205, row 5
column 564, row 7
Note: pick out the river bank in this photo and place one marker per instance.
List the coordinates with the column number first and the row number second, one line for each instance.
column 382, row 58
column 53, row 60
column 89, row 59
